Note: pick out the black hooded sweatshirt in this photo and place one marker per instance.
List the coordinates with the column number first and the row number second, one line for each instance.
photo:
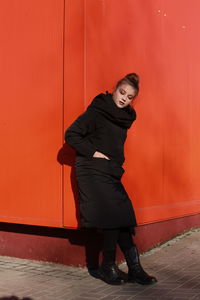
column 102, row 127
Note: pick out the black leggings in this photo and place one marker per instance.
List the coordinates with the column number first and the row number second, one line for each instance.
column 120, row 236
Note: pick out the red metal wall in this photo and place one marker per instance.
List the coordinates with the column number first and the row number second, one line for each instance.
column 54, row 57
column 159, row 40
column 31, row 125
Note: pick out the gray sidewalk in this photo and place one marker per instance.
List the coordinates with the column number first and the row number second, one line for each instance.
column 176, row 264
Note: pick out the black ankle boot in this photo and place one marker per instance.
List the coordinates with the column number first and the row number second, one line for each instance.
column 111, row 274
column 109, row 271
column 135, row 271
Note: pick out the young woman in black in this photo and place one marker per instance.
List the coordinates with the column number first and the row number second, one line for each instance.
column 98, row 137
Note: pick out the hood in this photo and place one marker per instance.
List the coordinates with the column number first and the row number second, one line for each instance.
column 104, row 104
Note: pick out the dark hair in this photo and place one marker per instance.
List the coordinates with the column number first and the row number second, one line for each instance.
column 132, row 79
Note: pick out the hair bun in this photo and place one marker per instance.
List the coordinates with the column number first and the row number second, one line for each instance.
column 133, row 77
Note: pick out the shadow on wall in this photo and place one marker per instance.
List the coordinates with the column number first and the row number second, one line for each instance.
column 66, row 156
column 90, row 240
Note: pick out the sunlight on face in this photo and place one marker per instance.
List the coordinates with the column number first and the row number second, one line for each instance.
column 124, row 95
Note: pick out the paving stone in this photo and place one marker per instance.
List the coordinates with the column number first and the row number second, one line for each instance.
column 176, row 264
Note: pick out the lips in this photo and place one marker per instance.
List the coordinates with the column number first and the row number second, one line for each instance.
column 121, row 103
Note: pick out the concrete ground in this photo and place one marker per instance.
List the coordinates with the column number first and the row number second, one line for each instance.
column 176, row 264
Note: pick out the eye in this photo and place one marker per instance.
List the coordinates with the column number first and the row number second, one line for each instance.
column 130, row 97
column 122, row 91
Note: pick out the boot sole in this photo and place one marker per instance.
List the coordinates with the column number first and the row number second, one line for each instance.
column 141, row 282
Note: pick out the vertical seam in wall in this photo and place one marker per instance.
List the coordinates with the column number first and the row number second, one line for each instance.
column 163, row 132
column 63, row 103
column 84, row 53
column 189, row 109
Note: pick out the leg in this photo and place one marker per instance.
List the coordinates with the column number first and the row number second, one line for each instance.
column 108, row 270
column 135, row 270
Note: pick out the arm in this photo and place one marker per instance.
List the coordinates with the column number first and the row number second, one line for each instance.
column 77, row 134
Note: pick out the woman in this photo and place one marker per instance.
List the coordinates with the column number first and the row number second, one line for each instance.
column 98, row 137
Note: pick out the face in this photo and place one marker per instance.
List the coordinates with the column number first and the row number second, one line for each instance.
column 124, row 95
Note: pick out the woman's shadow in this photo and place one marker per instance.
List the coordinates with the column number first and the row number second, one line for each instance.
column 89, row 238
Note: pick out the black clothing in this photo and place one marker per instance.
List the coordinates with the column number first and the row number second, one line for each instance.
column 109, row 272
column 110, row 239
column 136, row 273
column 103, row 127
column 125, row 240
column 120, row 236
column 103, row 200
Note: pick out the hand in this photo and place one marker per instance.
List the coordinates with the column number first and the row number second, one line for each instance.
column 100, row 155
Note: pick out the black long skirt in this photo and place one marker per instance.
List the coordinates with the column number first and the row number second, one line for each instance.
column 103, row 200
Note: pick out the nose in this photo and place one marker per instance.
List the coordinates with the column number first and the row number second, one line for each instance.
column 124, row 98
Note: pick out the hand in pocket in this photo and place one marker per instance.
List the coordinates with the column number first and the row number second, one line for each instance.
column 100, row 155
